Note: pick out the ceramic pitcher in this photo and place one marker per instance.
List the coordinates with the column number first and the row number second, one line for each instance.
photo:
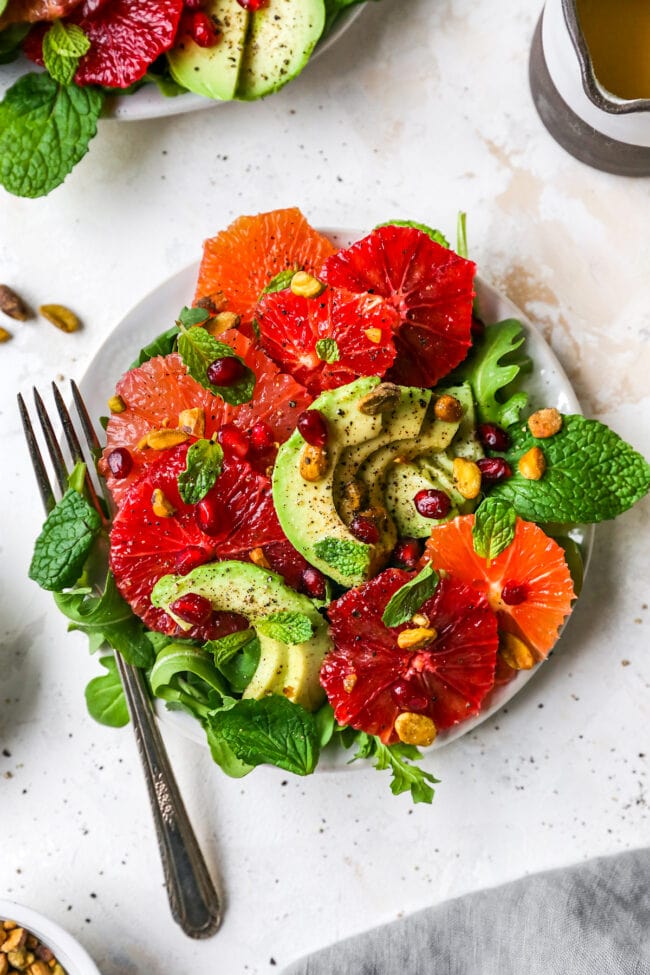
column 599, row 128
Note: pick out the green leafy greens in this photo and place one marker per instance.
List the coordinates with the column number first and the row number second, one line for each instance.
column 45, row 129
column 405, row 777
column 63, row 46
column 492, row 368
column 591, row 475
column 494, row 527
column 436, row 235
column 65, row 542
column 406, row 601
column 199, row 350
column 105, row 697
column 203, row 465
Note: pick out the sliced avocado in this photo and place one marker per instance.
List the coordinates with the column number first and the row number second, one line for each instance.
column 281, row 38
column 212, row 71
column 466, row 443
column 241, row 587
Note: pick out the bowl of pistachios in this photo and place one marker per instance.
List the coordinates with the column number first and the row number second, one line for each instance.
column 31, row 944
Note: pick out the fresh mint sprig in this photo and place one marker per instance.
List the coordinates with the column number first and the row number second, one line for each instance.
column 198, row 350
column 63, row 46
column 494, row 527
column 591, row 475
column 404, row 603
column 65, row 542
column 286, row 627
column 203, row 465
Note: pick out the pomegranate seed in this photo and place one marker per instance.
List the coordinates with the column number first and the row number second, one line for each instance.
column 431, row 503
column 120, row 462
column 261, row 437
column 188, row 559
column 226, row 371
column 364, row 529
column 192, row 608
column 493, row 437
column 514, row 593
column 233, row 440
column 209, row 517
column 408, row 552
column 203, row 33
column 409, row 698
column 253, row 5
column 493, row 469
column 193, row 4
column 312, row 427
column 313, row 583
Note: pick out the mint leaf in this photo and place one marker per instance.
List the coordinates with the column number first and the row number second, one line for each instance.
column 347, row 557
column 405, row 776
column 435, row 235
column 3, row 5
column 236, row 657
column 286, row 627
column 198, row 350
column 192, row 316
column 45, row 129
column 63, row 46
column 163, row 344
column 77, row 477
column 203, row 465
column 280, row 281
column 272, row 730
column 407, row 600
column 107, row 619
column 105, row 697
column 64, row 543
column 494, row 527
column 491, row 369
column 591, row 475
column 328, row 350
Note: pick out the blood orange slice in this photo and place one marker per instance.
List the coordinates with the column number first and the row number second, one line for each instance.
column 145, row 547
column 528, row 585
column 430, row 286
column 369, row 680
column 327, row 341
column 240, row 261
column 158, row 391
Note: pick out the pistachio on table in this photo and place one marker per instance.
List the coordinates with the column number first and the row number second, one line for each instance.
column 12, row 304
column 60, row 316
column 22, row 953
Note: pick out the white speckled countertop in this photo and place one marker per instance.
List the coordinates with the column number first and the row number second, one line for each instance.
column 422, row 109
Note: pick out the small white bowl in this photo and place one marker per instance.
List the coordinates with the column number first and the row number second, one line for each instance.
column 68, row 952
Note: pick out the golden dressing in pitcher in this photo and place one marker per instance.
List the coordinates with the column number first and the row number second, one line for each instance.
column 617, row 34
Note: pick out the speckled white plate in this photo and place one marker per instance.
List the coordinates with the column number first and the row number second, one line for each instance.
column 548, row 385
column 148, row 102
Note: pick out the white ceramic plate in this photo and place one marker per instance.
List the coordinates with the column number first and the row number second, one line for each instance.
column 68, row 952
column 148, row 102
column 548, row 386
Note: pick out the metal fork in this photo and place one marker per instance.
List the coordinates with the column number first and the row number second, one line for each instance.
column 193, row 899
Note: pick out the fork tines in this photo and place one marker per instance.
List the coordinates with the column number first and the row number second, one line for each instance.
column 59, row 466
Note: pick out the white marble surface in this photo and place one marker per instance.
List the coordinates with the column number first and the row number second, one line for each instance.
column 422, row 109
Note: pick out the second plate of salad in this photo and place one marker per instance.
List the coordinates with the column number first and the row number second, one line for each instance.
column 351, row 489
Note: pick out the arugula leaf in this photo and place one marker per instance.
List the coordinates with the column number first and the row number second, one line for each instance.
column 272, row 730
column 63, row 46
column 591, row 475
column 163, row 344
column 405, row 776
column 64, row 543
column 494, row 527
column 199, row 349
column 236, row 656
column 11, row 39
column 436, row 235
column 107, row 618
column 328, row 350
column 202, row 468
column 492, row 368
column 45, row 129
column 349, row 558
column 105, row 697
column 280, row 281
column 287, row 627
column 407, row 600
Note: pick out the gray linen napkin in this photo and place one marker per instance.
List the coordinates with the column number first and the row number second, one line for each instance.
column 590, row 919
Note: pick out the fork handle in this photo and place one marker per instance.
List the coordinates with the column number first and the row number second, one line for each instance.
column 194, row 902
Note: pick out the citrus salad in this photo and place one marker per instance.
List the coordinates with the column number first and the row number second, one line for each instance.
column 338, row 521
column 91, row 49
